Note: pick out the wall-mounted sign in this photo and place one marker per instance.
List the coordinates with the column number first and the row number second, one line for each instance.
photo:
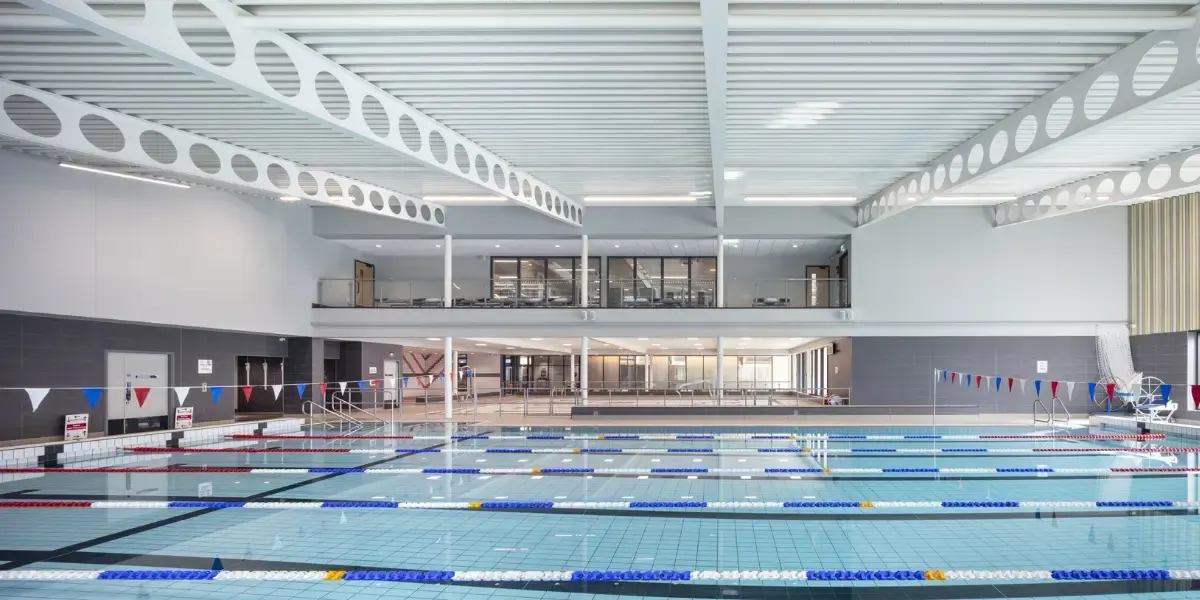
column 204, row 490
column 76, row 427
column 183, row 417
column 1043, row 366
column 372, row 370
column 204, row 366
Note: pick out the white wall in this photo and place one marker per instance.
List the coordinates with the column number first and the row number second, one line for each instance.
column 422, row 276
column 943, row 264
column 89, row 245
column 750, row 277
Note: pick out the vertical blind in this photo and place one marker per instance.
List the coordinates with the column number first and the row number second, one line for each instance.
column 1164, row 265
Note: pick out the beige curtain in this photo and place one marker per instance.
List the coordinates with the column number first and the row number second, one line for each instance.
column 1164, row 265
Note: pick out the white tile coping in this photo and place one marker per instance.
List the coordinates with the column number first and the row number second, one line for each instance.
column 1186, row 430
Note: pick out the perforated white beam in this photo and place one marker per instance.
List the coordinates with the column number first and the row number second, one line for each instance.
column 1112, row 90
column 409, row 132
column 1167, row 176
column 46, row 119
column 714, row 18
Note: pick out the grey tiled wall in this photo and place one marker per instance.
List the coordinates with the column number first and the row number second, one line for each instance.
column 37, row 351
column 899, row 370
column 1161, row 355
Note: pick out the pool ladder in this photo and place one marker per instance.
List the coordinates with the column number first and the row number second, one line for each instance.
column 1052, row 412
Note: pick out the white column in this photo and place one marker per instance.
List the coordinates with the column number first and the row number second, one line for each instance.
column 448, row 277
column 720, row 272
column 583, row 369
column 450, row 382
column 571, row 372
column 583, row 276
column 646, row 376
column 720, row 366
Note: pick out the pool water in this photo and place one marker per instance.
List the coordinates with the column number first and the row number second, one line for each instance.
column 640, row 538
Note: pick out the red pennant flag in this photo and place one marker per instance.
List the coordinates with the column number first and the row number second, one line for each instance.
column 978, row 381
column 1053, row 389
column 953, row 377
column 1196, row 396
column 141, row 395
column 324, row 386
column 1110, row 388
column 1010, row 382
column 247, row 390
column 374, row 383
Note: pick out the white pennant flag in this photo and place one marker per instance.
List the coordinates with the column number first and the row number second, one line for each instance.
column 1070, row 389
column 278, row 388
column 181, row 394
column 1022, row 386
column 342, row 385
column 36, row 395
column 937, row 373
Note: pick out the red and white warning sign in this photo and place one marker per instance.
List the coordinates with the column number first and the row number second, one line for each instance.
column 76, row 427
column 183, row 417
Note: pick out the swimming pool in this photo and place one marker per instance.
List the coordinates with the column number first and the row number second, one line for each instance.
column 588, row 518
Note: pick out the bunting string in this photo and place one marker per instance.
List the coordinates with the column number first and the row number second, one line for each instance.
column 1107, row 391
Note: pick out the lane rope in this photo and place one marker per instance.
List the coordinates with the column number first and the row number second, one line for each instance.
column 713, row 436
column 664, row 471
column 603, row 505
column 738, row 451
column 607, row 575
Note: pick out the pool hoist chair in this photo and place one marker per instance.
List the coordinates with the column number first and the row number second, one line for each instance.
column 1144, row 396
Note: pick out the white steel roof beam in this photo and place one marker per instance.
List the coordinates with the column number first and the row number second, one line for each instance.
column 1167, row 176
column 1150, row 72
column 432, row 143
column 714, row 18
column 39, row 117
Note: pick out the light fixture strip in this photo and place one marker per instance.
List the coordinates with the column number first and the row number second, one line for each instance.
column 124, row 175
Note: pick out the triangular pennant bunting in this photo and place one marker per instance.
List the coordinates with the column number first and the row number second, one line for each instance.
column 1070, row 390
column 361, row 385
column 324, row 388
column 405, row 382
column 300, row 387
column 1037, row 388
column 181, row 394
column 945, row 375
column 342, row 386
column 997, row 384
column 216, row 394
column 1053, row 389
column 1010, row 382
column 1111, row 389
column 1022, row 382
column 141, row 394
column 953, row 377
column 36, row 395
column 93, row 396
column 278, row 389
column 374, row 383
column 246, row 391
column 1165, row 390
column 978, row 381
column 1196, row 396
column 1092, row 392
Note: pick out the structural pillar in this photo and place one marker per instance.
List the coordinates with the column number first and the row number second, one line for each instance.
column 583, row 276
column 720, row 272
column 583, row 369
column 720, row 367
column 448, row 277
column 646, row 373
column 449, row 383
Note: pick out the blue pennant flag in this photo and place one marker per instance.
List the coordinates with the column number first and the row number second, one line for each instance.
column 300, row 387
column 945, row 375
column 1037, row 387
column 216, row 394
column 1092, row 392
column 406, row 382
column 93, row 396
column 997, row 384
column 362, row 385
column 1166, row 392
column 970, row 378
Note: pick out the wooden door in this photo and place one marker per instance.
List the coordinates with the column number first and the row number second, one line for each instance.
column 364, row 284
column 818, row 286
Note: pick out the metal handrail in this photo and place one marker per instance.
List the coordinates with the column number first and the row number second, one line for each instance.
column 309, row 405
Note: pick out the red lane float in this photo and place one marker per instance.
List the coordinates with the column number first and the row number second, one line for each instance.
column 1114, row 450
column 1097, row 436
column 47, row 504
column 126, row 470
column 165, row 450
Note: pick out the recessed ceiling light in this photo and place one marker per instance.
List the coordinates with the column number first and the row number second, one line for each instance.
column 497, row 245
column 557, row 246
column 800, row 199
column 616, row 245
column 746, row 339
column 733, row 175
column 433, row 339
column 481, row 345
column 639, row 199
column 804, row 114
column 675, row 245
column 566, row 344
column 510, row 348
column 378, row 245
column 289, row 199
column 700, row 194
column 124, row 175
column 535, row 339
column 655, row 344
column 795, row 245
column 643, row 339
column 692, row 339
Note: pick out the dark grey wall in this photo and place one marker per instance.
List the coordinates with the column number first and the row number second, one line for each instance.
column 899, row 370
column 1161, row 355
column 841, row 368
column 305, row 363
column 37, row 351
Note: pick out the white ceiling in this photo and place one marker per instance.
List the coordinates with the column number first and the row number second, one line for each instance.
column 827, row 98
column 599, row 247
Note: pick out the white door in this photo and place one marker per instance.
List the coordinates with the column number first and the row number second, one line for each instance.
column 391, row 381
column 128, row 371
